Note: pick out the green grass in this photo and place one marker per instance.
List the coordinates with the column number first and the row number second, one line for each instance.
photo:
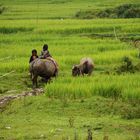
column 109, row 104
column 64, row 41
column 100, row 84
column 53, row 9
column 32, row 117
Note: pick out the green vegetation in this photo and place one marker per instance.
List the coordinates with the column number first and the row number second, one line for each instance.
column 104, row 85
column 123, row 11
column 107, row 102
column 2, row 8
column 127, row 66
column 55, row 9
column 47, row 118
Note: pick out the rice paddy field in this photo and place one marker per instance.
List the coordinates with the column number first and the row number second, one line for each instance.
column 107, row 103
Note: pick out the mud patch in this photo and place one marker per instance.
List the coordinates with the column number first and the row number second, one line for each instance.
column 4, row 101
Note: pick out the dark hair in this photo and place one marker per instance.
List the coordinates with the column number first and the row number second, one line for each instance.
column 34, row 51
column 45, row 47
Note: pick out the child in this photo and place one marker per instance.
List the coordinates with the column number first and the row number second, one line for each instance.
column 34, row 55
column 45, row 53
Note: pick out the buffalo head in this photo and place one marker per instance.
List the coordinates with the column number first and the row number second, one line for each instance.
column 75, row 70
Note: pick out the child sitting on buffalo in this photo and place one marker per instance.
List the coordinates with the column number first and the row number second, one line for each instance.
column 45, row 53
column 34, row 55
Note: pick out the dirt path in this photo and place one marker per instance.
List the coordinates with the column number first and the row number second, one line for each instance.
column 4, row 101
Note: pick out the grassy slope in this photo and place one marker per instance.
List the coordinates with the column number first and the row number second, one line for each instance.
column 54, row 8
column 68, row 43
column 41, row 117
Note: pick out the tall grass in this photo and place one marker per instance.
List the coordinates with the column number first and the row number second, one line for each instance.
column 103, row 85
column 68, row 43
column 67, row 50
column 19, row 62
column 73, row 26
column 69, row 40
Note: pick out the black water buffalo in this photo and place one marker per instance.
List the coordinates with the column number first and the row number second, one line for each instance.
column 86, row 66
column 45, row 68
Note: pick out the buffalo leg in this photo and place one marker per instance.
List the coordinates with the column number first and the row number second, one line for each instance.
column 49, row 80
column 35, row 81
column 90, row 72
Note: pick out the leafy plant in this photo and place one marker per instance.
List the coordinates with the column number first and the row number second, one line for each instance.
column 122, row 11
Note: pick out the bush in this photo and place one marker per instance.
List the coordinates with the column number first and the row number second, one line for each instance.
column 126, row 66
column 104, row 13
column 127, row 11
column 123, row 11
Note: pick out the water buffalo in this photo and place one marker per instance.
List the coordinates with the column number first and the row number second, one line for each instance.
column 86, row 66
column 45, row 68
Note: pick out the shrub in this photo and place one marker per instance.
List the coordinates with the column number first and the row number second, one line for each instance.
column 126, row 66
column 128, row 11
column 122, row 11
column 104, row 13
